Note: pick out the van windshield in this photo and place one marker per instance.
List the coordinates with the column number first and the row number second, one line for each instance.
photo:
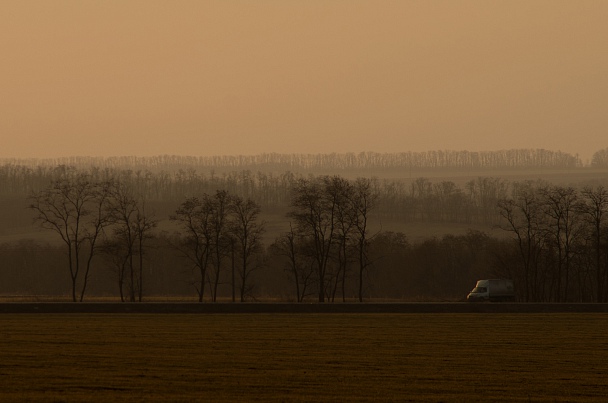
column 479, row 289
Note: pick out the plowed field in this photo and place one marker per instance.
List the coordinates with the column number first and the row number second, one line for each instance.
column 295, row 358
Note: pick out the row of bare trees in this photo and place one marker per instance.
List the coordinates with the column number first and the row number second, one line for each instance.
column 108, row 219
column 217, row 232
column 560, row 240
column 329, row 235
column 83, row 212
column 434, row 269
column 221, row 228
column 559, row 234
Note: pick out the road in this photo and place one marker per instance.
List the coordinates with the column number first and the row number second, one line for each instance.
column 352, row 308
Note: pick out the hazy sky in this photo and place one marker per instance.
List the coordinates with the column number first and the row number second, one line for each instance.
column 145, row 77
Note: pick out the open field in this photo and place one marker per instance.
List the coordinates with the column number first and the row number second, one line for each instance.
column 294, row 357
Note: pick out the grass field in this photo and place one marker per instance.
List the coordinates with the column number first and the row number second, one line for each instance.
column 306, row 357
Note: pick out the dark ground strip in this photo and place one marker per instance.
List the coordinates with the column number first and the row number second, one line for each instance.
column 223, row 308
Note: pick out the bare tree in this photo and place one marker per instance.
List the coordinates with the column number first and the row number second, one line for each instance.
column 300, row 267
column 219, row 207
column 207, row 240
column 194, row 216
column 560, row 205
column 113, row 251
column 594, row 208
column 131, row 227
column 314, row 213
column 332, row 214
column 247, row 232
column 144, row 224
column 123, row 209
column 363, row 201
column 523, row 216
column 600, row 158
column 341, row 192
column 75, row 207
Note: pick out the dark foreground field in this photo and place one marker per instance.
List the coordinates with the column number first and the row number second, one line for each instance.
column 305, row 308
column 549, row 357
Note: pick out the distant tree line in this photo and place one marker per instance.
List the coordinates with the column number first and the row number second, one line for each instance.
column 334, row 162
column 412, row 200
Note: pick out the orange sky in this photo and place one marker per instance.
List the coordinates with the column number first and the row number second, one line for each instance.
column 145, row 77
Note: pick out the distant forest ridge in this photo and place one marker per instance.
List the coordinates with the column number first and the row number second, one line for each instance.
column 442, row 159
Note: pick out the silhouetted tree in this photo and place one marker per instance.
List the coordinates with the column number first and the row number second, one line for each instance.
column 247, row 231
column 299, row 265
column 74, row 207
column 341, row 192
column 314, row 212
column 523, row 216
column 600, row 158
column 219, row 206
column 594, row 209
column 560, row 205
column 194, row 216
column 131, row 228
column 363, row 202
